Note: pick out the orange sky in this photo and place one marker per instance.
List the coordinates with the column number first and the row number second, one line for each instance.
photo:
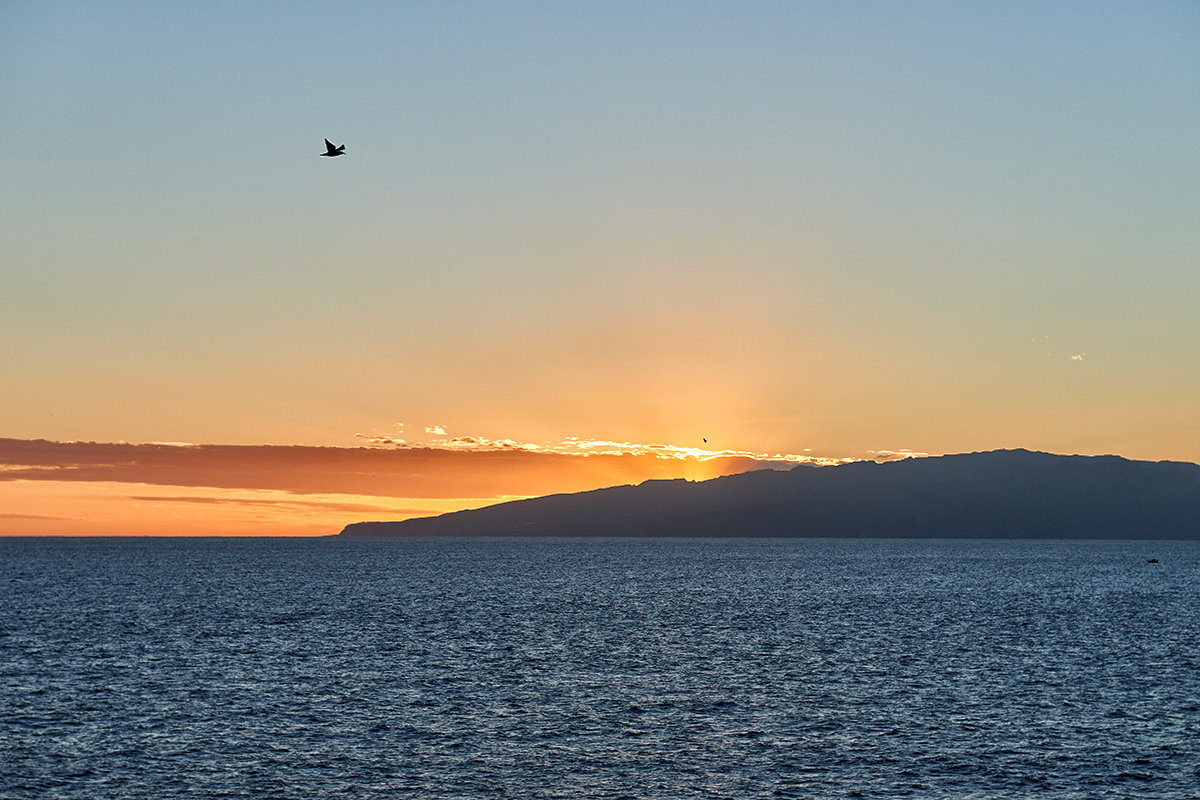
column 88, row 488
column 825, row 230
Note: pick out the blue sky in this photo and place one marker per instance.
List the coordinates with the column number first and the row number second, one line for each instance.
column 791, row 227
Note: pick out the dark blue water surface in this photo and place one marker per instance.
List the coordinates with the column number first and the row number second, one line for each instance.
column 177, row 668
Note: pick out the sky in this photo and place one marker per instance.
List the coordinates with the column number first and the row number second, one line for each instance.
column 708, row 233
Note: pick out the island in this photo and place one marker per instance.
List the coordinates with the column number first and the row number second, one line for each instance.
column 1003, row 494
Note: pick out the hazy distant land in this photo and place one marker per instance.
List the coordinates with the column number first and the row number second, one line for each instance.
column 999, row 494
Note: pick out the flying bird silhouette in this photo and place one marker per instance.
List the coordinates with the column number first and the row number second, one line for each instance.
column 331, row 151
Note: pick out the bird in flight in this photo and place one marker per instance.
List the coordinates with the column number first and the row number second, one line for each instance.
column 331, row 151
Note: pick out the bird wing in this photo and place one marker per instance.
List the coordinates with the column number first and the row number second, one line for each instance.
column 329, row 146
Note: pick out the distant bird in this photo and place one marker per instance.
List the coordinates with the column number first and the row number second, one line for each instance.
column 332, row 151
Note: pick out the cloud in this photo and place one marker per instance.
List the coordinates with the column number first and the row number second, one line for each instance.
column 575, row 446
column 578, row 446
column 385, row 439
column 119, row 488
column 896, row 455
column 463, row 467
column 468, row 444
column 289, row 504
column 382, row 440
column 33, row 516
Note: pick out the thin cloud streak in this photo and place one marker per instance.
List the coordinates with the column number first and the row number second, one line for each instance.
column 83, row 508
column 464, row 467
column 299, row 505
column 87, row 488
column 578, row 446
column 896, row 455
column 34, row 517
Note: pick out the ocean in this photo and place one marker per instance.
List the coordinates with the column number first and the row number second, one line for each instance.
column 610, row 668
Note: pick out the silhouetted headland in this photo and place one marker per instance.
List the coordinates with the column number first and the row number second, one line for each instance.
column 1006, row 494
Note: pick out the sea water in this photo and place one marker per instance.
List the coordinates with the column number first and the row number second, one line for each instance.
column 562, row 668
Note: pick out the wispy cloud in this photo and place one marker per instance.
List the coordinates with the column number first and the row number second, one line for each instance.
column 288, row 504
column 382, row 440
column 896, row 455
column 449, row 467
column 33, row 516
column 80, row 488
column 578, row 446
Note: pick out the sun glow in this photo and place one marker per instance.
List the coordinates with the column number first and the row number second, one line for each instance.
column 438, row 438
column 90, row 488
column 108, row 508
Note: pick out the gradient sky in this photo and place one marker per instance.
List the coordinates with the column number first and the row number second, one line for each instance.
column 824, row 229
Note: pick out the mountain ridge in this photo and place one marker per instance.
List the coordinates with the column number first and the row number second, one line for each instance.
column 994, row 494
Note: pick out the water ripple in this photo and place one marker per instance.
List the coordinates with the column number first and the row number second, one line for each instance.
column 598, row 668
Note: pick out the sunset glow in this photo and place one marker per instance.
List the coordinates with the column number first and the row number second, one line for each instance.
column 85, row 488
column 570, row 246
